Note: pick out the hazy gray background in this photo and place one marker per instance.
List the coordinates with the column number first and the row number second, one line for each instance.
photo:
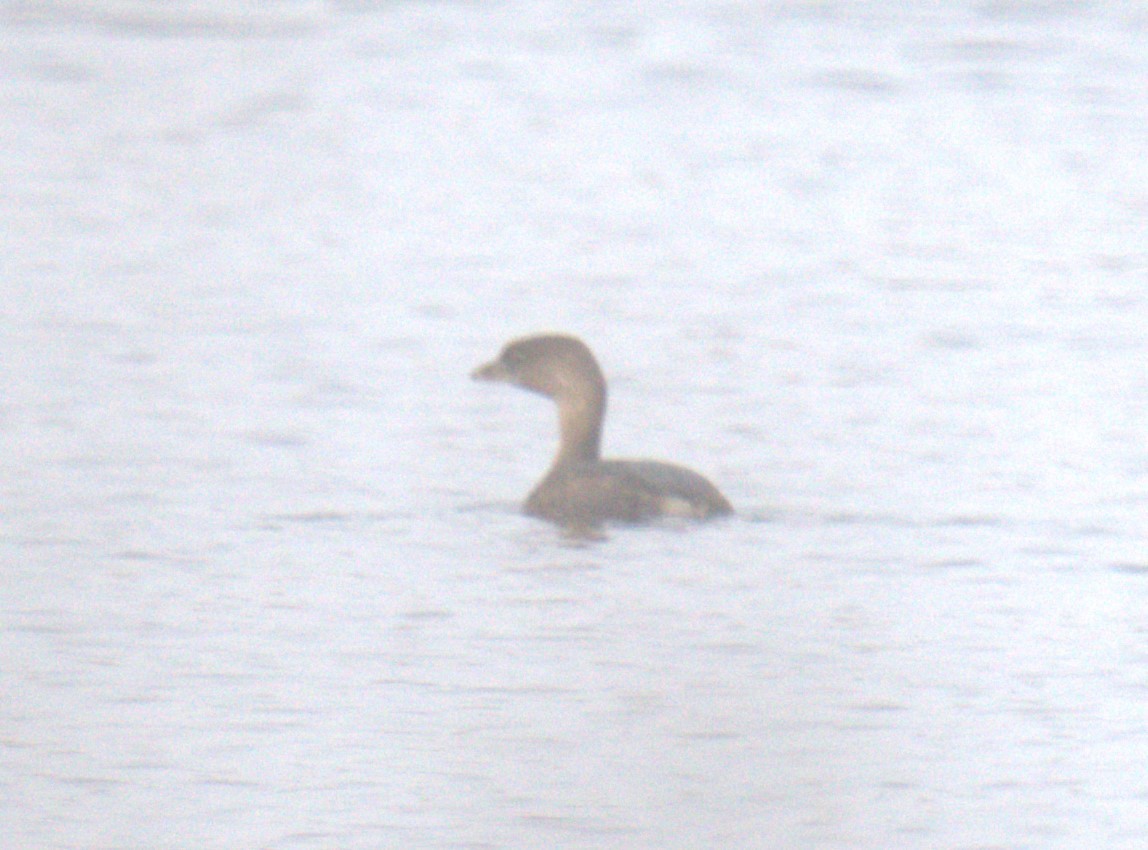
column 878, row 269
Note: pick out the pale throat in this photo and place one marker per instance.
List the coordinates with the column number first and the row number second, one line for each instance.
column 580, row 427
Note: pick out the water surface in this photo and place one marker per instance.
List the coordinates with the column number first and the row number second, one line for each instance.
column 878, row 271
